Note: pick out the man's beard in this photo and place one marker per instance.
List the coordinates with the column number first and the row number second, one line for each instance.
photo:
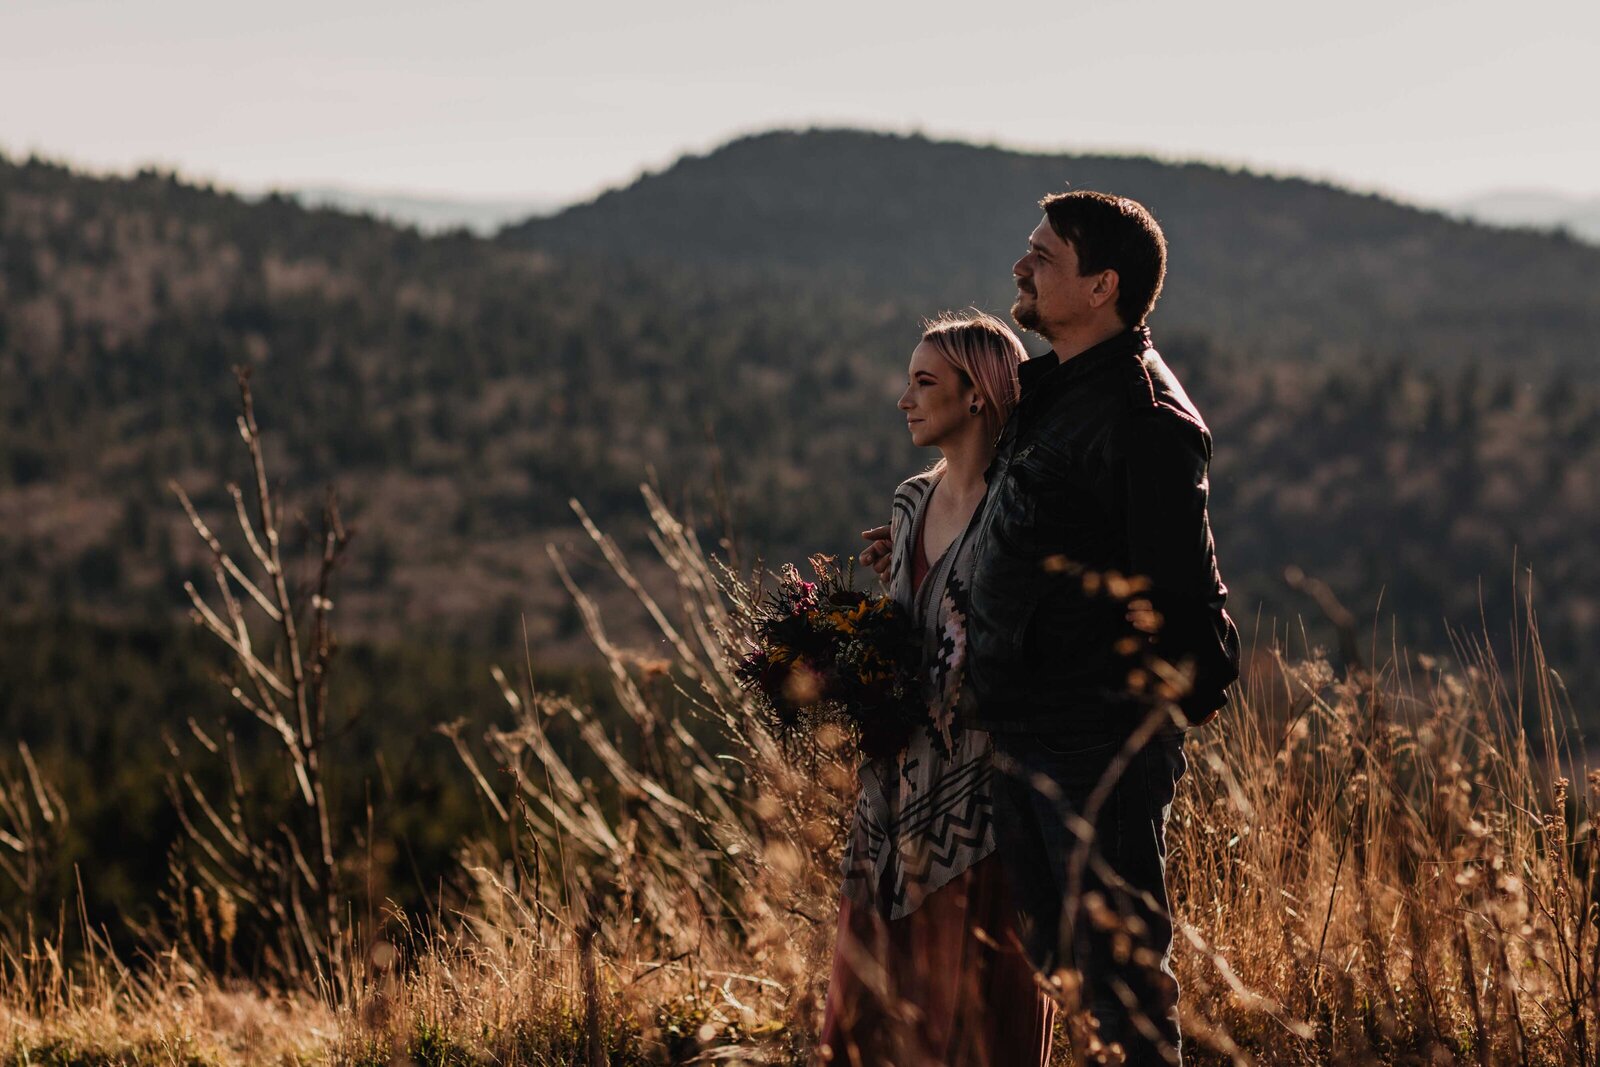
column 1025, row 316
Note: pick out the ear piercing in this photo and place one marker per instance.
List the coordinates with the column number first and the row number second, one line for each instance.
column 973, row 409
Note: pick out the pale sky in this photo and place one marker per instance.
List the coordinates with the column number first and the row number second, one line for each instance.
column 485, row 98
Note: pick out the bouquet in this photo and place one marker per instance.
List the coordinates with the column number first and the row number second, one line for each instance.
column 824, row 652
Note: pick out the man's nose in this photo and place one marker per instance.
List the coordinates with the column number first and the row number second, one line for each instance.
column 1021, row 269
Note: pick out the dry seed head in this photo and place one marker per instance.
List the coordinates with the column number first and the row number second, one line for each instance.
column 1100, row 914
column 227, row 917
column 837, row 778
column 203, row 913
column 830, row 737
column 816, row 832
column 1068, row 982
column 767, row 807
column 784, row 858
column 1144, row 617
column 382, row 955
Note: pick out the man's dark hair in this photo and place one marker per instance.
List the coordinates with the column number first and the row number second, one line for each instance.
column 1113, row 233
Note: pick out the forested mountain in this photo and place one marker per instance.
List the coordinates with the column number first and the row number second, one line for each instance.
column 737, row 328
column 460, row 393
column 1280, row 268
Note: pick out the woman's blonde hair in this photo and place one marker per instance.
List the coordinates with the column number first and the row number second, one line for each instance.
column 986, row 353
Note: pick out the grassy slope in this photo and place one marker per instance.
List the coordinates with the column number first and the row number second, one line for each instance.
column 1368, row 868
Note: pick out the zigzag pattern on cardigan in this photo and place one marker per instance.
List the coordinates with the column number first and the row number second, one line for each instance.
column 927, row 815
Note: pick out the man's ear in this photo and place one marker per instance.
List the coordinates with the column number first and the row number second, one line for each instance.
column 1105, row 289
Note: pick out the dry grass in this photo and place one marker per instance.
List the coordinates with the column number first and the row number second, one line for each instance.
column 1369, row 868
column 101, row 1012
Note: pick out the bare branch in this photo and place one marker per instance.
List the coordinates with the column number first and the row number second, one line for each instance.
column 619, row 565
column 269, row 717
column 219, row 553
column 209, row 618
column 250, row 532
column 452, row 730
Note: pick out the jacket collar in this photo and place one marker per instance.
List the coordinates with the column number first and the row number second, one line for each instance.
column 1033, row 372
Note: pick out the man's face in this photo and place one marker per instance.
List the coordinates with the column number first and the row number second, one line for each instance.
column 1051, row 294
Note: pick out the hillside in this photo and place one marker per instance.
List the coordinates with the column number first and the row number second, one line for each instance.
column 1279, row 268
column 460, row 391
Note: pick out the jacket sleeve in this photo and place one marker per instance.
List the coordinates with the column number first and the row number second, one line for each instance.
column 1165, row 487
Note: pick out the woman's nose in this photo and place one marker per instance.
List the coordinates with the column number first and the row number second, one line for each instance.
column 905, row 401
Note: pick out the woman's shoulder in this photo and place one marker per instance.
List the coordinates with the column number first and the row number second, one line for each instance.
column 909, row 496
column 916, row 487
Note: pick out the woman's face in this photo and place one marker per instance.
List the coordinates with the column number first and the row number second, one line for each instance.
column 937, row 402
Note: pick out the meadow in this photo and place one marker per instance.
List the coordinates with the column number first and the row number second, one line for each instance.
column 1377, row 864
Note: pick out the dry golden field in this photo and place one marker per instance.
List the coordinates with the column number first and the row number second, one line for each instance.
column 1370, row 867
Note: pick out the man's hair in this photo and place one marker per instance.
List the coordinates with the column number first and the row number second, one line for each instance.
column 1113, row 233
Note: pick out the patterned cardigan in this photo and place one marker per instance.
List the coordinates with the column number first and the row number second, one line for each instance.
column 925, row 815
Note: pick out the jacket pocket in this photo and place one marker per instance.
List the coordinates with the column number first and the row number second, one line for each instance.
column 1040, row 467
column 1060, row 504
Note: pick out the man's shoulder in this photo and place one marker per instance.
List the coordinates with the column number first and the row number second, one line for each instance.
column 1154, row 392
column 1144, row 405
column 1139, row 386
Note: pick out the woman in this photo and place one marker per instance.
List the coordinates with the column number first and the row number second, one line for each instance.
column 926, row 967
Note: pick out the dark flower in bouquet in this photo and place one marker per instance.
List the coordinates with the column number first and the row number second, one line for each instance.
column 825, row 652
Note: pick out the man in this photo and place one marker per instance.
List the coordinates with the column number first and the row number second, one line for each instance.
column 1097, row 632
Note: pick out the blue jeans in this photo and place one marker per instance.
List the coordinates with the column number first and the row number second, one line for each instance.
column 1085, row 851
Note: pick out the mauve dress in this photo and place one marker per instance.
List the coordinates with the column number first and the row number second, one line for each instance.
column 927, row 968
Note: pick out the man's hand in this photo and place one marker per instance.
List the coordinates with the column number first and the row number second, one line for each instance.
column 876, row 554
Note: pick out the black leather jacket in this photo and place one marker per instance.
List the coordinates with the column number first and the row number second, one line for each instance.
column 1095, row 581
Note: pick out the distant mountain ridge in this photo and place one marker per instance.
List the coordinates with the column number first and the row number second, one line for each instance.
column 1273, row 267
column 1537, row 209
column 429, row 214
